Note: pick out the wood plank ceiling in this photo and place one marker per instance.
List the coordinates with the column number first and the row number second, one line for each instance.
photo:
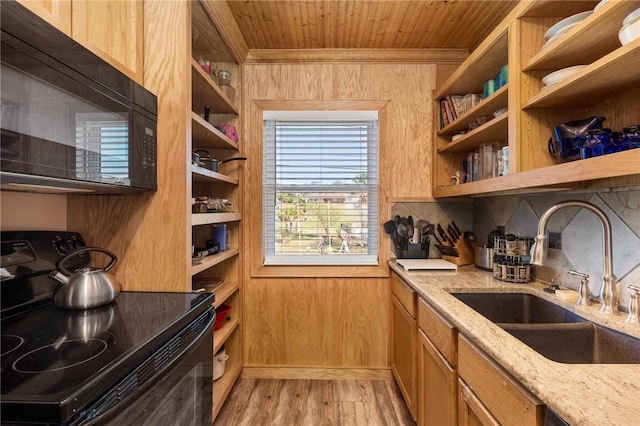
column 367, row 24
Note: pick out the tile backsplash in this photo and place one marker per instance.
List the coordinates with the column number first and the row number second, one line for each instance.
column 580, row 230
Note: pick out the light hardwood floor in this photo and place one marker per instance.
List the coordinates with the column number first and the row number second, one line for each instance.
column 258, row 402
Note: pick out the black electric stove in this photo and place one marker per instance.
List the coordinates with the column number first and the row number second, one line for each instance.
column 63, row 366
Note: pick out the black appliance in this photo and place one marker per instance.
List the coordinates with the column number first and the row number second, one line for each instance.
column 70, row 121
column 143, row 359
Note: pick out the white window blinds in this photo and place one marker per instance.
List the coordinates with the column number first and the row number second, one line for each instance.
column 320, row 191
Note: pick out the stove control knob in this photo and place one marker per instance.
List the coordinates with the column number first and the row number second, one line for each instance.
column 63, row 246
column 76, row 244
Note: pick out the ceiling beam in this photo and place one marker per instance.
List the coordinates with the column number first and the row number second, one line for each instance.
column 431, row 56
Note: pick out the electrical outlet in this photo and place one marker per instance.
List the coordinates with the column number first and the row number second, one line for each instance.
column 555, row 240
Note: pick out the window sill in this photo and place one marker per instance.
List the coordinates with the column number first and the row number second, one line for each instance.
column 321, row 271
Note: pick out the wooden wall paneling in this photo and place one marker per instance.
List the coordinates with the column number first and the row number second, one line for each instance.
column 621, row 111
column 148, row 232
column 55, row 12
column 316, row 322
column 325, row 320
column 114, row 29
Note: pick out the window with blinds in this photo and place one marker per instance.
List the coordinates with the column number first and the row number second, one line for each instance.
column 320, row 188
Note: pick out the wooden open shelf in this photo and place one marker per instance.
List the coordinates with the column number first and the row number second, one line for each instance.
column 205, row 135
column 600, row 80
column 211, row 218
column 213, row 260
column 200, row 174
column 488, row 106
column 565, row 175
column 224, row 291
column 207, row 93
column 221, row 336
column 223, row 385
column 492, row 131
column 583, row 45
column 483, row 64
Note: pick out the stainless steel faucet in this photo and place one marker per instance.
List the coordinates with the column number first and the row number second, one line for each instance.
column 610, row 290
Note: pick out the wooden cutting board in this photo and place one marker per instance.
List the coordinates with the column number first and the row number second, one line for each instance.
column 409, row 264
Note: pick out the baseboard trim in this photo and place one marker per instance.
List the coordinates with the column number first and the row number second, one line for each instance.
column 316, row 373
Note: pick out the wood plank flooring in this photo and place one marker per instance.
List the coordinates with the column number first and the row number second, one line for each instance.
column 258, row 402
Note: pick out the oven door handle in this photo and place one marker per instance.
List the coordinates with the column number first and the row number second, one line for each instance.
column 94, row 414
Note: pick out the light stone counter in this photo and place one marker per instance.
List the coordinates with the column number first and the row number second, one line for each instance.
column 582, row 394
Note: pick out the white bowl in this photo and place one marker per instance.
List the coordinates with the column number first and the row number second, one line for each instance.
column 563, row 74
column 629, row 32
column 566, row 21
column 632, row 17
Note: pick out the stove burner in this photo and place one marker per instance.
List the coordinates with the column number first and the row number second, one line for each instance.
column 59, row 356
column 10, row 343
column 152, row 305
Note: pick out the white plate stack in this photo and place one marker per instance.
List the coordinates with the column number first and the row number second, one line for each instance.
column 630, row 28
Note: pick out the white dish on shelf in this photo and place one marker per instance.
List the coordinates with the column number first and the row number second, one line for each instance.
column 599, row 5
column 632, row 17
column 630, row 32
column 563, row 74
column 559, row 34
column 543, row 88
column 573, row 19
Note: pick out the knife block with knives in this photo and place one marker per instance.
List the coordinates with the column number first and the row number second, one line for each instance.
column 453, row 247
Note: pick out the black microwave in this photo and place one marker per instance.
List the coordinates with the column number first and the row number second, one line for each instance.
column 70, row 121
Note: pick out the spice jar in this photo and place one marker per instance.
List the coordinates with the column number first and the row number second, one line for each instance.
column 224, row 81
column 224, row 77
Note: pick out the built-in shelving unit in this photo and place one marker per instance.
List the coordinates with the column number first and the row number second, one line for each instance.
column 226, row 182
column 609, row 86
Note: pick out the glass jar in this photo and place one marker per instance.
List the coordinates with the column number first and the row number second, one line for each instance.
column 631, row 137
column 224, row 77
column 595, row 143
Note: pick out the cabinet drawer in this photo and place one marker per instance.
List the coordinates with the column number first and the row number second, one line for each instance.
column 439, row 330
column 404, row 293
column 504, row 397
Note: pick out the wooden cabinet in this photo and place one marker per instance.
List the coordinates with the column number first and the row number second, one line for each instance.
column 225, row 183
column 471, row 410
column 489, row 395
column 607, row 86
column 55, row 12
column 437, row 376
column 114, row 30
column 404, row 354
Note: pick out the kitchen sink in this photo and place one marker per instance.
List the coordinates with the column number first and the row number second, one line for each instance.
column 517, row 308
column 579, row 343
column 554, row 332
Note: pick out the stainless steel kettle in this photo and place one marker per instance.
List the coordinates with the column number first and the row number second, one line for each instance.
column 87, row 287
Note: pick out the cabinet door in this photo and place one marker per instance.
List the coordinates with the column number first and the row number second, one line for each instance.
column 437, row 381
column 508, row 401
column 55, row 12
column 471, row 411
column 404, row 353
column 113, row 29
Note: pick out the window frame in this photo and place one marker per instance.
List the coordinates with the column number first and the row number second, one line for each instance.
column 252, row 216
column 270, row 190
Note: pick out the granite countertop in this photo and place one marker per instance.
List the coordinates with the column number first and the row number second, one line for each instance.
column 582, row 394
